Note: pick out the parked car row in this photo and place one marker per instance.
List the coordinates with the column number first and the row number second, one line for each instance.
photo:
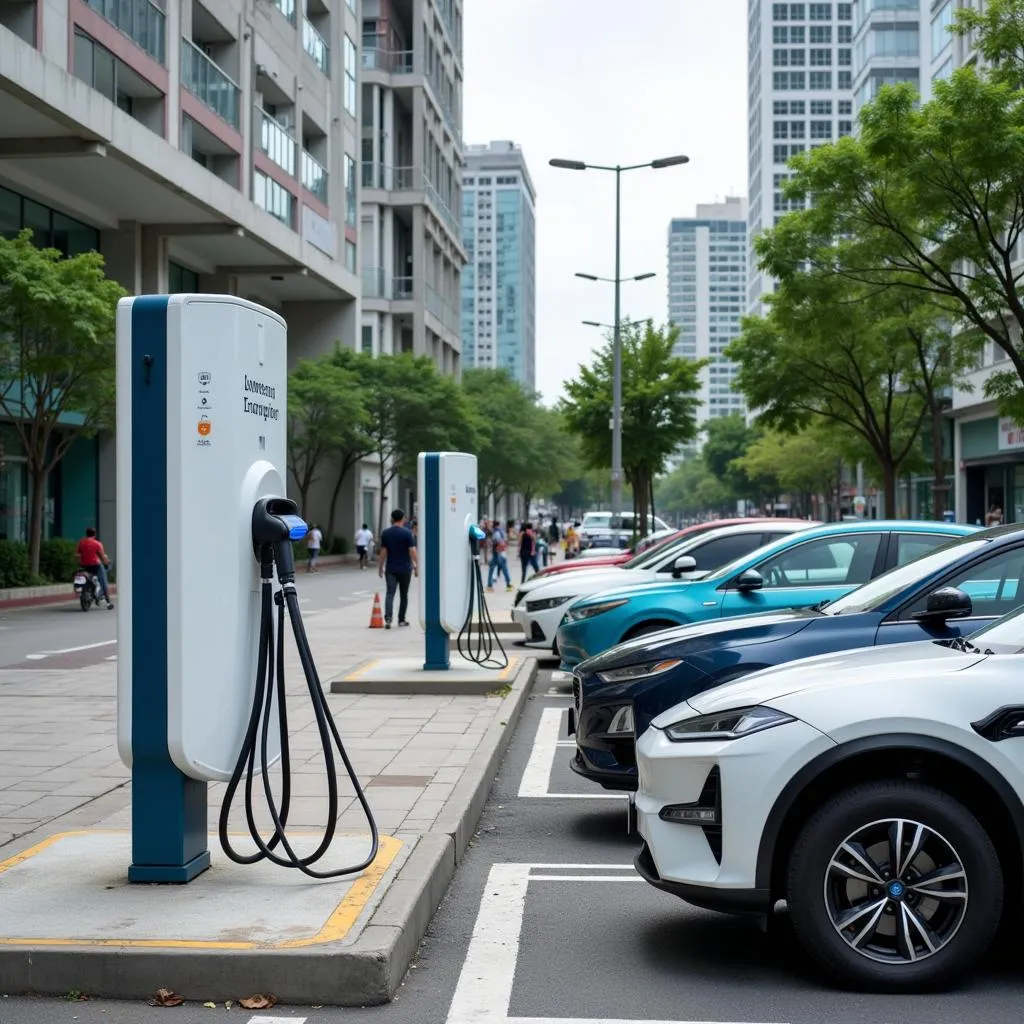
column 832, row 721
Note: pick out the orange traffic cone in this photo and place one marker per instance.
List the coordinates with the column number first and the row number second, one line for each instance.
column 376, row 616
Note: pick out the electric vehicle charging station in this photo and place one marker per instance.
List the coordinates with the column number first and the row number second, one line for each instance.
column 451, row 588
column 202, row 522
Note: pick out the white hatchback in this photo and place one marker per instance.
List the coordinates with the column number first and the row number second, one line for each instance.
column 540, row 603
column 878, row 792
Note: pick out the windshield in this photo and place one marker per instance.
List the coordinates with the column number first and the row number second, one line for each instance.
column 653, row 554
column 1008, row 630
column 598, row 519
column 880, row 590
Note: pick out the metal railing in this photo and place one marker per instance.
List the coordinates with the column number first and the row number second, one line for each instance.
column 142, row 21
column 205, row 80
column 316, row 46
column 402, row 287
column 391, row 179
column 314, row 176
column 276, row 141
column 395, row 62
column 373, row 282
column 377, row 285
column 444, row 311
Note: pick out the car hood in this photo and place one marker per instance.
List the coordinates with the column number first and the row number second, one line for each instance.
column 653, row 591
column 590, row 583
column 678, row 641
column 905, row 664
column 535, row 582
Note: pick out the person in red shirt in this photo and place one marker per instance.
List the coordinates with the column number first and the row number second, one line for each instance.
column 92, row 558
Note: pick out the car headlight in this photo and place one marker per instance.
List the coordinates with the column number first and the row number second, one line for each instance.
column 588, row 611
column 727, row 725
column 630, row 673
column 547, row 603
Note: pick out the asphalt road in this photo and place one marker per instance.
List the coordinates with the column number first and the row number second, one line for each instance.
column 545, row 920
column 63, row 636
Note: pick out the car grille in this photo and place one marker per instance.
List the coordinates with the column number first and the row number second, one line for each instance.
column 536, row 633
column 577, row 695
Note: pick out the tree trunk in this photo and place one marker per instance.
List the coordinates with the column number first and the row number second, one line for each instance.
column 889, row 485
column 939, row 487
column 346, row 465
column 652, row 497
column 640, row 492
column 380, row 509
column 35, row 516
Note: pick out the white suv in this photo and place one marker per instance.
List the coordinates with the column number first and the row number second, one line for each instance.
column 603, row 530
column 877, row 792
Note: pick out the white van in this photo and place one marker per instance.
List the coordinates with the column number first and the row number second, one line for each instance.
column 602, row 529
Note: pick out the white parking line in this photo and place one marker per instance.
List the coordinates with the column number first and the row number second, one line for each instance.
column 537, row 773
column 69, row 650
column 483, row 993
column 277, row 1020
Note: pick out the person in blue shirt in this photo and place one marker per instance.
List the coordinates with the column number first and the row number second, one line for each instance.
column 499, row 560
column 397, row 561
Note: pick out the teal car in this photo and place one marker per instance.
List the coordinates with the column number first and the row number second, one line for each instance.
column 798, row 571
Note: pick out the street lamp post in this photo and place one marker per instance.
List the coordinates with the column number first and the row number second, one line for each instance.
column 579, row 165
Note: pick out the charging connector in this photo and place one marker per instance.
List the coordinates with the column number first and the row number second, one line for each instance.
column 477, row 642
column 276, row 524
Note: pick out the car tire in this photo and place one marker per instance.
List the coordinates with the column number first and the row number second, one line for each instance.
column 884, row 950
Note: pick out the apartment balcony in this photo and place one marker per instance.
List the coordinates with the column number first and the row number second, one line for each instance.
column 411, row 180
column 140, row 20
column 393, row 62
column 287, row 8
column 211, row 86
column 316, row 46
column 276, row 142
column 378, row 284
column 443, row 310
column 314, row 176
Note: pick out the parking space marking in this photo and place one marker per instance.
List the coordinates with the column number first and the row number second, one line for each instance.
column 483, row 993
column 537, row 773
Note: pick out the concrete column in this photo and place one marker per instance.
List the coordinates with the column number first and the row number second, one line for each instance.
column 959, row 477
column 387, row 336
column 218, row 284
column 178, row 23
column 121, row 251
column 154, row 262
column 419, row 271
column 386, row 252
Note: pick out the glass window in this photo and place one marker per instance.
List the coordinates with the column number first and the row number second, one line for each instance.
column 941, row 24
column 844, row 35
column 104, row 79
column 367, row 339
column 83, row 58
column 821, row 80
column 181, row 280
column 73, row 237
column 830, row 561
column 820, row 34
column 10, row 213
column 350, row 256
column 796, row 12
column 37, row 217
column 913, row 545
column 844, row 79
column 820, row 12
column 993, row 585
column 797, row 34
column 350, row 76
column 780, row 12
column 350, row 190
column 721, row 551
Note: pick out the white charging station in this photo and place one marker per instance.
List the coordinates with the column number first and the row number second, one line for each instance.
column 201, row 415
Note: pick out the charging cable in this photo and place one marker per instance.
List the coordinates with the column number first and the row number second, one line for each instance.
column 476, row 643
column 275, row 525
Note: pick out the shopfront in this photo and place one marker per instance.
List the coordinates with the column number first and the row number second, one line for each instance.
column 991, row 470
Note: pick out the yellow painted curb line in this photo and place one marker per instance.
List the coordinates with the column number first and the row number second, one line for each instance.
column 336, row 927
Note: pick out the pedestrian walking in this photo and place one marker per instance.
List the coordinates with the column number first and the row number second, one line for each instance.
column 528, row 550
column 572, row 541
column 364, row 538
column 397, row 561
column 314, row 541
column 554, row 537
column 498, row 564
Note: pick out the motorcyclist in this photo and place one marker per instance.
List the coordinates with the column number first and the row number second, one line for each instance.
column 93, row 559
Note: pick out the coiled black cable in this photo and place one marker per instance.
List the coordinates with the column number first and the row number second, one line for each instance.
column 270, row 682
column 477, row 645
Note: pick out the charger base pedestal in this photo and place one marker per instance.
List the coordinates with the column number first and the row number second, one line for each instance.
column 408, row 676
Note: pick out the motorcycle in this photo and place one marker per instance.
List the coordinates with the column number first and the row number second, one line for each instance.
column 87, row 587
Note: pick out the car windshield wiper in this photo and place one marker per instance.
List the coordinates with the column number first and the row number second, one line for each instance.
column 963, row 645
column 821, row 605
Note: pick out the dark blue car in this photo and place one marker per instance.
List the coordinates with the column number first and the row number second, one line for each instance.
column 950, row 592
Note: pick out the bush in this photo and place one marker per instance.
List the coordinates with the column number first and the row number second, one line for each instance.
column 14, row 570
column 58, row 559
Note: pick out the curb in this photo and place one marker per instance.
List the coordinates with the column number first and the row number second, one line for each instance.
column 367, row 972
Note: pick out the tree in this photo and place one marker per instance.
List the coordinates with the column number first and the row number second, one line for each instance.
column 412, row 408
column 57, row 347
column 727, row 438
column 659, row 405
column 325, row 411
column 825, row 350
column 931, row 197
column 690, row 490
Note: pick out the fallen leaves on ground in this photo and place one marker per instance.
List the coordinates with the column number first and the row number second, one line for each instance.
column 258, row 1002
column 165, row 997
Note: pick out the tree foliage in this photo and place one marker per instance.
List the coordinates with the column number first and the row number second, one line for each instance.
column 57, row 346
column 659, row 406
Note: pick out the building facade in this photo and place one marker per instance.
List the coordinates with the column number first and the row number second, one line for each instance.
column 499, row 325
column 411, row 157
column 800, row 95
column 707, row 286
column 206, row 145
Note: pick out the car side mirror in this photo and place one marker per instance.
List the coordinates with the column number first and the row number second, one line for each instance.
column 748, row 580
column 683, row 564
column 946, row 603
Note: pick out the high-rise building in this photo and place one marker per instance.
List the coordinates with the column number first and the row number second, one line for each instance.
column 412, row 254
column 199, row 146
column 498, row 286
column 707, row 284
column 800, row 82
column 889, row 47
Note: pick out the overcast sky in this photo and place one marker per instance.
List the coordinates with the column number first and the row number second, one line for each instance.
column 607, row 82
